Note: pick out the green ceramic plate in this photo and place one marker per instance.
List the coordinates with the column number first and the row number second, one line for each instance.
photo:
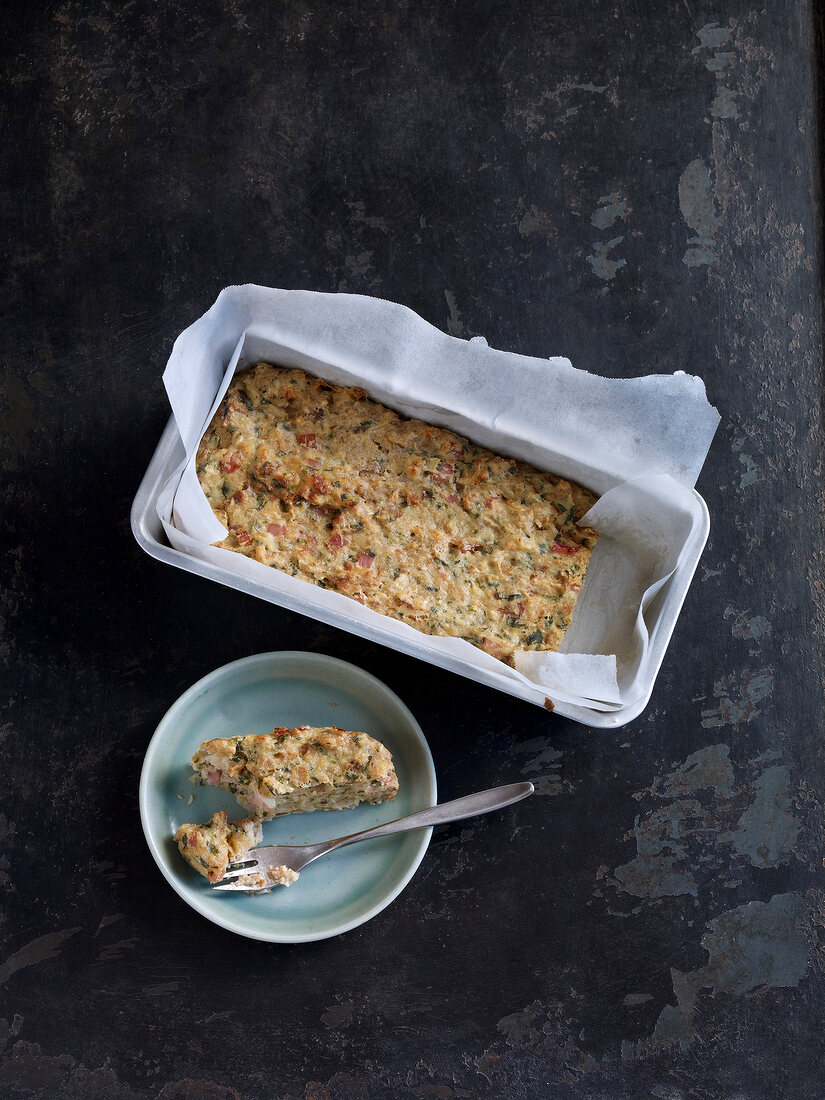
column 254, row 695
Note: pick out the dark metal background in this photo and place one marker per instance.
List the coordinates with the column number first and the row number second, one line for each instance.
column 633, row 185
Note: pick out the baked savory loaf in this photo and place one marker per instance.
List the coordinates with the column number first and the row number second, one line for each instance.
column 298, row 770
column 211, row 847
column 415, row 522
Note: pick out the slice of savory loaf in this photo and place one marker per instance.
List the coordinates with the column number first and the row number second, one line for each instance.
column 299, row 770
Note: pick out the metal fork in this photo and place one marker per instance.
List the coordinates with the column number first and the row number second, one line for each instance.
column 296, row 857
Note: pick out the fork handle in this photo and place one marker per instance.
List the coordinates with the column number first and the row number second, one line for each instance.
column 459, row 808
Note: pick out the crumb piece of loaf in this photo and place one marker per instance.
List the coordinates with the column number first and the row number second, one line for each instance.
column 325, row 484
column 263, row 881
column 211, row 847
column 299, row 770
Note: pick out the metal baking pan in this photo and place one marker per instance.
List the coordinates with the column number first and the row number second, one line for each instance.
column 148, row 532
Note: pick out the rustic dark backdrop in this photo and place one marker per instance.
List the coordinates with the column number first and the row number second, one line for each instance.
column 631, row 184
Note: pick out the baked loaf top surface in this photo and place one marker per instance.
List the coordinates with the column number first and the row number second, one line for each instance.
column 414, row 521
column 299, row 770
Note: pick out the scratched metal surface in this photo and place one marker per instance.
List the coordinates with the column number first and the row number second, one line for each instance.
column 629, row 184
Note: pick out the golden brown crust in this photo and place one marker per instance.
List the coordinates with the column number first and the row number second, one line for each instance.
column 414, row 521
